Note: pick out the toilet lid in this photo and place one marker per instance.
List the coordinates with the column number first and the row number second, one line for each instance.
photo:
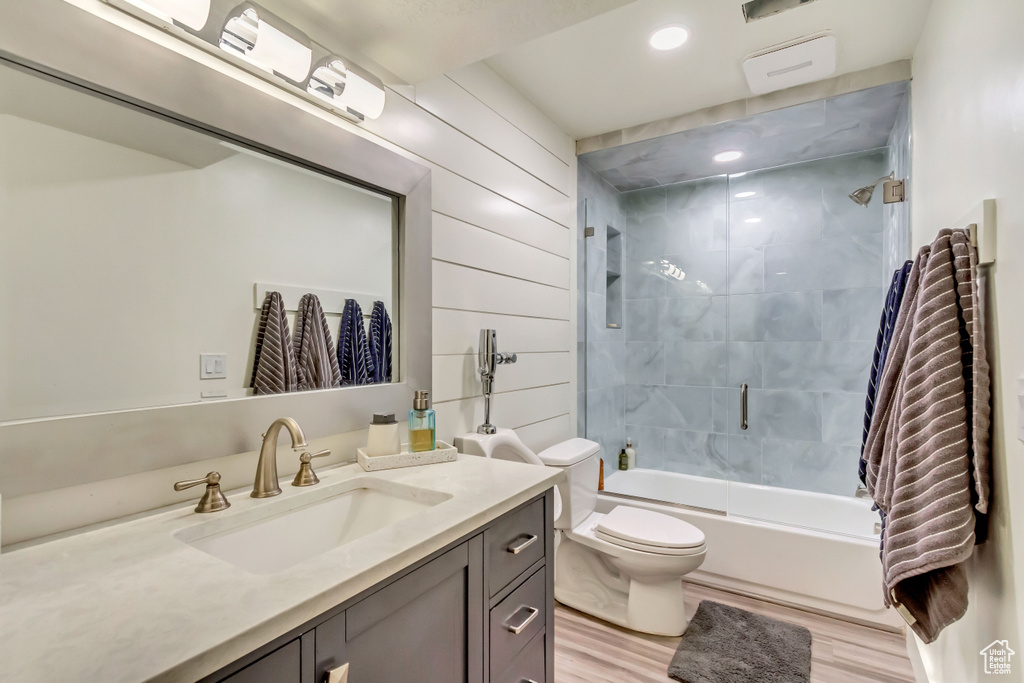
column 647, row 528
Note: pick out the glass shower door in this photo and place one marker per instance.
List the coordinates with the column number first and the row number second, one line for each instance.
column 805, row 293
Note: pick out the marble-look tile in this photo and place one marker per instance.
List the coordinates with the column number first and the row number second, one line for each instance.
column 746, row 364
column 746, row 270
column 642, row 280
column 842, row 263
column 706, row 274
column 581, row 359
column 686, row 408
column 581, row 414
column 700, row 228
column 776, row 219
column 648, row 442
column 606, row 365
column 699, row 364
column 817, row 366
column 645, row 363
column 778, row 415
column 641, row 319
column 597, row 330
column 646, row 237
column 698, row 453
column 606, row 418
column 722, row 400
column 704, row 192
column 744, row 459
column 643, row 202
column 851, row 314
column 824, row 468
column 596, row 267
column 842, row 417
column 775, row 317
column 696, row 319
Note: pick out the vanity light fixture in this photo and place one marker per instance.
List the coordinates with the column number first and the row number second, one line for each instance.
column 191, row 13
column 256, row 41
column 668, row 37
column 359, row 92
column 744, row 195
column 252, row 37
column 728, row 155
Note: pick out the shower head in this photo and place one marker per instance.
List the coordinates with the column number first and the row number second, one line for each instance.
column 863, row 195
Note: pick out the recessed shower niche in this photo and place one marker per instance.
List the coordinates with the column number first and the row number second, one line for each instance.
column 613, row 268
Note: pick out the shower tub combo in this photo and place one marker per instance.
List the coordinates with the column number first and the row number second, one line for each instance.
column 819, row 552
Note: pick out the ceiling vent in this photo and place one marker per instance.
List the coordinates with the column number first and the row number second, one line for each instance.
column 810, row 59
column 759, row 9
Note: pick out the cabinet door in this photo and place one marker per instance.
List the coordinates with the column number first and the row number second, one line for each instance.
column 280, row 666
column 426, row 627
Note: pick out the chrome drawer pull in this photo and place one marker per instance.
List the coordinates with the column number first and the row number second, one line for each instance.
column 518, row 628
column 528, row 680
column 517, row 548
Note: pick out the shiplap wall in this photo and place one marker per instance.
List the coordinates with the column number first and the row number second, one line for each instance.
column 504, row 202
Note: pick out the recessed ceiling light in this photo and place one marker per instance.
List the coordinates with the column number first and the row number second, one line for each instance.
column 730, row 155
column 743, row 195
column 668, row 37
column 753, row 220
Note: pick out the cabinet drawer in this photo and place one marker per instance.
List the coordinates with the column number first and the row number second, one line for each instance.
column 516, row 620
column 280, row 665
column 529, row 665
column 513, row 545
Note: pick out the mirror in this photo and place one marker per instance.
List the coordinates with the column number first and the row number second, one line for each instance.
column 136, row 254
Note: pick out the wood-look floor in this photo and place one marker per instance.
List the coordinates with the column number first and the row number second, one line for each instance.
column 588, row 650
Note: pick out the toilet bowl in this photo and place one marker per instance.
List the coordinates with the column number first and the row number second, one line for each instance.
column 626, row 566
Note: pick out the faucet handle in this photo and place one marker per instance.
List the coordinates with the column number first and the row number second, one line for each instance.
column 213, row 498
column 306, row 476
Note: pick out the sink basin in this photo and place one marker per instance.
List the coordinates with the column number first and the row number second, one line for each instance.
column 289, row 531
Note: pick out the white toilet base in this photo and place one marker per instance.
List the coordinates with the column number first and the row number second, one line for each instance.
column 587, row 581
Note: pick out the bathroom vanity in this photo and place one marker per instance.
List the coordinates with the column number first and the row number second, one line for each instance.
column 437, row 573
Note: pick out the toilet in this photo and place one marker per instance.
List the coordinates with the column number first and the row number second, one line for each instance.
column 626, row 566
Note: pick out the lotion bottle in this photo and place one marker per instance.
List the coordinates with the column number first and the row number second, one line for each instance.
column 422, row 431
column 382, row 438
column 630, row 454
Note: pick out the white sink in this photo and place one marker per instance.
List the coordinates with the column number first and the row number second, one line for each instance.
column 282, row 533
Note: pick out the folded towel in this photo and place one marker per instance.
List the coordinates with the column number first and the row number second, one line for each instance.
column 380, row 343
column 927, row 464
column 353, row 351
column 314, row 349
column 273, row 368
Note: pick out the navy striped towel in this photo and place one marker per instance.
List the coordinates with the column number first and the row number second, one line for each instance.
column 314, row 349
column 353, row 350
column 380, row 343
column 273, row 368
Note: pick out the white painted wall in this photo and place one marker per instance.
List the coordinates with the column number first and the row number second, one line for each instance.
column 83, row 216
column 968, row 127
column 503, row 179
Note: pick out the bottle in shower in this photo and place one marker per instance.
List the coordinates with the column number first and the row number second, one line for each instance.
column 421, row 424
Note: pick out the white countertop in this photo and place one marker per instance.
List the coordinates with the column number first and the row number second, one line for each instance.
column 130, row 602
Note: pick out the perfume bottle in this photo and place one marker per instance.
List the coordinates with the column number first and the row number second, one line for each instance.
column 421, row 424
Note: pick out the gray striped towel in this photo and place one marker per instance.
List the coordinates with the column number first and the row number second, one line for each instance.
column 353, row 350
column 314, row 349
column 273, row 368
column 927, row 449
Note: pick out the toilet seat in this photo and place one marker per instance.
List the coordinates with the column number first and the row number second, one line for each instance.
column 649, row 531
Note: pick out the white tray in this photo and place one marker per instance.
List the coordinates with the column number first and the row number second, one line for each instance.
column 444, row 452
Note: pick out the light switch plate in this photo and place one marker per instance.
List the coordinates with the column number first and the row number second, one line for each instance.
column 1020, row 407
column 213, row 365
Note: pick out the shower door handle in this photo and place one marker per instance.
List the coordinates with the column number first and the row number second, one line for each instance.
column 743, row 406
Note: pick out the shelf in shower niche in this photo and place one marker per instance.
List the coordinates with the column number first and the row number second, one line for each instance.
column 613, row 274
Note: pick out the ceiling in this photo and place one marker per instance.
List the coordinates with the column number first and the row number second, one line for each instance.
column 600, row 75
column 853, row 122
column 416, row 40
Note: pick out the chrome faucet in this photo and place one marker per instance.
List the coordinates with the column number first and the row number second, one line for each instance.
column 489, row 360
column 267, row 483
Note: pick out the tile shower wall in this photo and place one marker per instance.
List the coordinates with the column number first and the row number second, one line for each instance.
column 602, row 357
column 896, row 242
column 782, row 289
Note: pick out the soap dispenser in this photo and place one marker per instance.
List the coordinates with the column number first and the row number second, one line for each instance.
column 422, row 430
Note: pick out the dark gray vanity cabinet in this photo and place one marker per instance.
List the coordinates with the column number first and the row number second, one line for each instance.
column 479, row 610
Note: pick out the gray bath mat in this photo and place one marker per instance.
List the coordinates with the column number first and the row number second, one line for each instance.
column 725, row 644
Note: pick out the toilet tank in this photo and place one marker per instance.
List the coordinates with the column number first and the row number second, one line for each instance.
column 580, row 460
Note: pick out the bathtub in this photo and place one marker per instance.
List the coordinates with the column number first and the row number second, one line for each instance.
column 818, row 551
